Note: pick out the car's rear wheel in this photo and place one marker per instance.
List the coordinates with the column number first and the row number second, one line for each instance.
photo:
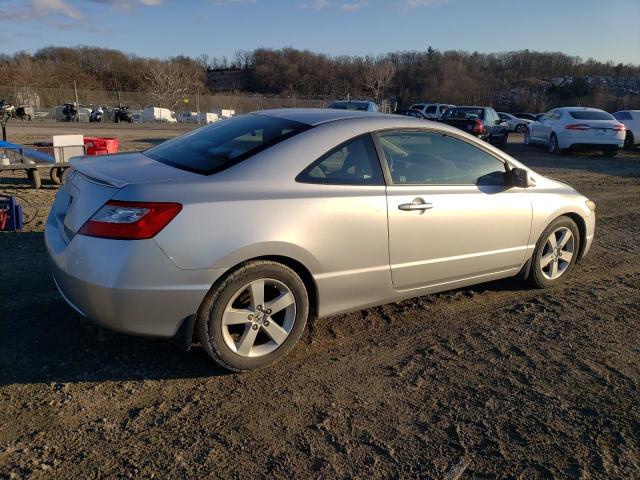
column 610, row 152
column 556, row 252
column 629, row 141
column 527, row 136
column 254, row 316
column 554, row 148
column 521, row 128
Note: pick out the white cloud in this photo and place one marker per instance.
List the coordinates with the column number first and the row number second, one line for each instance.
column 38, row 10
column 352, row 7
column 425, row 3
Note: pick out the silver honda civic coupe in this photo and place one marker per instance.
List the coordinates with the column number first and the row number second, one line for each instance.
column 234, row 235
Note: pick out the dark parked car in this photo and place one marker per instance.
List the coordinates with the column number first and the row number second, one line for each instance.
column 483, row 122
column 411, row 113
column 526, row 116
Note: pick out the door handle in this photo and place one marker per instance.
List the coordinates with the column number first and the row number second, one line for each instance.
column 408, row 207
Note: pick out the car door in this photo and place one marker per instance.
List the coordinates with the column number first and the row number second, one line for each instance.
column 450, row 215
column 545, row 127
column 492, row 122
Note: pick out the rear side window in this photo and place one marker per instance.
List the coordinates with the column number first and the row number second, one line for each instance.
column 354, row 162
column 428, row 158
column 589, row 115
column 465, row 113
column 431, row 109
column 622, row 116
column 218, row 146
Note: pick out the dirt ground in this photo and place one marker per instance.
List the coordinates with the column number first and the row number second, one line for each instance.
column 497, row 381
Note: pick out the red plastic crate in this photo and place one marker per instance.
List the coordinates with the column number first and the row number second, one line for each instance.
column 101, row 145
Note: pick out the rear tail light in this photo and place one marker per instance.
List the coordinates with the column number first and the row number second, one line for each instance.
column 130, row 220
column 619, row 128
column 578, row 126
column 478, row 127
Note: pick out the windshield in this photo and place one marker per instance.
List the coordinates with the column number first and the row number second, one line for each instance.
column 590, row 115
column 363, row 106
column 218, row 146
column 465, row 112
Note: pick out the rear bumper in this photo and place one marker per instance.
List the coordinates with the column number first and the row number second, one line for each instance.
column 589, row 141
column 127, row 286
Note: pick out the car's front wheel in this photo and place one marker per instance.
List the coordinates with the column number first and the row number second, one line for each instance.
column 554, row 148
column 254, row 316
column 556, row 252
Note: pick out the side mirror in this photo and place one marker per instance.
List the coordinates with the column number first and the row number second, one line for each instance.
column 519, row 177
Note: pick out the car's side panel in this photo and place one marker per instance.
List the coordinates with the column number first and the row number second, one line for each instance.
column 469, row 231
column 338, row 232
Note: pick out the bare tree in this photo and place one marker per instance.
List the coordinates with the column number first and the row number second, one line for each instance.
column 168, row 82
column 377, row 76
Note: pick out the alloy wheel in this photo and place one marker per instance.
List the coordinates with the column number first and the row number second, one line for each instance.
column 557, row 253
column 259, row 318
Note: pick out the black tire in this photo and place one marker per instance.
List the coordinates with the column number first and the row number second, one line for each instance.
column 536, row 276
column 629, row 141
column 527, row 137
column 554, row 148
column 56, row 175
column 209, row 328
column 520, row 128
column 117, row 120
column 610, row 152
column 34, row 177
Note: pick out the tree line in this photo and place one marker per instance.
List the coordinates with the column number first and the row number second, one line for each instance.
column 517, row 80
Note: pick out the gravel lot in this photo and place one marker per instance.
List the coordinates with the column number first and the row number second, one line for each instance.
column 497, row 381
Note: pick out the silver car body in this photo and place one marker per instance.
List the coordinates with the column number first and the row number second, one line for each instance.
column 354, row 243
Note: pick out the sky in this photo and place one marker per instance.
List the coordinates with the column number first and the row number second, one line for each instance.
column 602, row 29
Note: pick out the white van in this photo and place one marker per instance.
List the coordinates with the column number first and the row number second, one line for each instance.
column 157, row 114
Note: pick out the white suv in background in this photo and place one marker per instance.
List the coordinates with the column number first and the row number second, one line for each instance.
column 631, row 120
column 571, row 128
column 432, row 110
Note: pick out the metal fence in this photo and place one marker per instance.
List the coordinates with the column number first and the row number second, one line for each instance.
column 44, row 100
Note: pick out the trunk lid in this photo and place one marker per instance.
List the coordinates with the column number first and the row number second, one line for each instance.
column 95, row 180
column 123, row 169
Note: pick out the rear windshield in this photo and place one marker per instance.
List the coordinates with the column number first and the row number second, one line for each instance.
column 464, row 113
column 589, row 115
column 364, row 106
column 218, row 146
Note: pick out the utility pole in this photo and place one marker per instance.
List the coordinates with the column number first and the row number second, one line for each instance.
column 198, row 103
column 75, row 89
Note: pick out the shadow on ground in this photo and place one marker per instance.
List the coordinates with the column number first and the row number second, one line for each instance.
column 44, row 340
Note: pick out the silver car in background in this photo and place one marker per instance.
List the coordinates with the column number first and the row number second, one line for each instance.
column 235, row 234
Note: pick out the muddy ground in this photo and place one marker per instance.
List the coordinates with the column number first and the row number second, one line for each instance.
column 497, row 381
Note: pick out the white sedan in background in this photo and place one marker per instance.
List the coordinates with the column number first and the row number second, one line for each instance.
column 515, row 124
column 573, row 128
column 631, row 120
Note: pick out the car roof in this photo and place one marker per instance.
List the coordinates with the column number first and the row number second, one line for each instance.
column 581, row 109
column 315, row 116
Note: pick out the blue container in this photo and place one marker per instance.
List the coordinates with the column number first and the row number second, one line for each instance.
column 13, row 209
